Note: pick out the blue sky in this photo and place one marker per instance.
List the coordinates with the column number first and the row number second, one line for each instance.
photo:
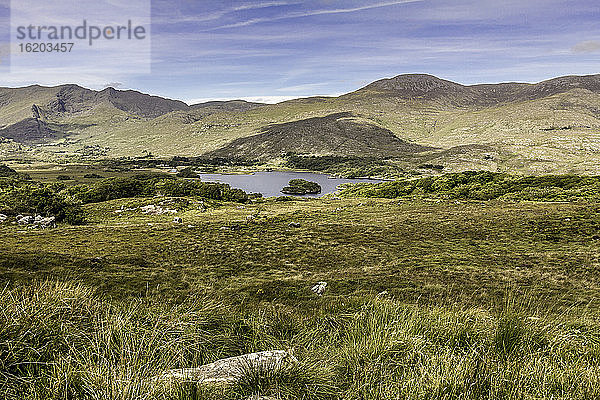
column 278, row 49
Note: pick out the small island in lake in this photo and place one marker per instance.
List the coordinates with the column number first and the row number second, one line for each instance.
column 300, row 186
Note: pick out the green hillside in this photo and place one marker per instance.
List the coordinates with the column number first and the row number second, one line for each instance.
column 549, row 127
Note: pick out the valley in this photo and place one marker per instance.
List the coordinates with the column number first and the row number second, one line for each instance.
column 468, row 269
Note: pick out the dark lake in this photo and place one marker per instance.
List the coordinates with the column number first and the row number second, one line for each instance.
column 271, row 183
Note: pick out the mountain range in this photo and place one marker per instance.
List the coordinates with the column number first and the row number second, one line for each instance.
column 548, row 127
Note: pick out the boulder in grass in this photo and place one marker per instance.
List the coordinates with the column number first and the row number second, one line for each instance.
column 319, row 288
column 25, row 220
column 48, row 222
column 229, row 370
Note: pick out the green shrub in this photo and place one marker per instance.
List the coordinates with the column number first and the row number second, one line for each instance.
column 93, row 176
column 188, row 173
column 110, row 189
column 485, row 186
column 32, row 198
column 301, row 186
column 348, row 166
column 6, row 171
column 151, row 185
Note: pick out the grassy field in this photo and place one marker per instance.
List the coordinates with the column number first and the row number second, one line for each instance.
column 427, row 299
column 414, row 250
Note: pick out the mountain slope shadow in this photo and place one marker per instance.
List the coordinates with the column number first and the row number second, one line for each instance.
column 335, row 134
column 30, row 130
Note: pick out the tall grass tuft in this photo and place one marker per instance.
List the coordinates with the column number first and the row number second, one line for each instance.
column 62, row 341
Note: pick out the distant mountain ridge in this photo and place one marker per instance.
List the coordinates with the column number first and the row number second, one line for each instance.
column 429, row 87
column 73, row 99
column 547, row 127
column 26, row 112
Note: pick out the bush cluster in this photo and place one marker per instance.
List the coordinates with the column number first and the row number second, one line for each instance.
column 151, row 185
column 25, row 197
column 6, row 171
column 485, row 186
column 64, row 203
column 351, row 167
column 301, row 186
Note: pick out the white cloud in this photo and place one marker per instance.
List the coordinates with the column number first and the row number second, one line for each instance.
column 256, row 99
column 116, row 85
column 59, row 76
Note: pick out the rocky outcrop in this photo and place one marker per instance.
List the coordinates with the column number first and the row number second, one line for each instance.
column 36, row 221
column 152, row 209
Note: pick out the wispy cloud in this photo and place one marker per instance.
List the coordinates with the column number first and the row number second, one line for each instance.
column 216, row 15
column 303, row 88
column 302, row 14
column 256, row 6
column 589, row 46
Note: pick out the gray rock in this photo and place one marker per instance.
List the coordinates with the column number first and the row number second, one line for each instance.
column 152, row 209
column 229, row 370
column 319, row 288
column 36, row 221
column 26, row 220
column 3, row 217
column 46, row 222
column 294, row 225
